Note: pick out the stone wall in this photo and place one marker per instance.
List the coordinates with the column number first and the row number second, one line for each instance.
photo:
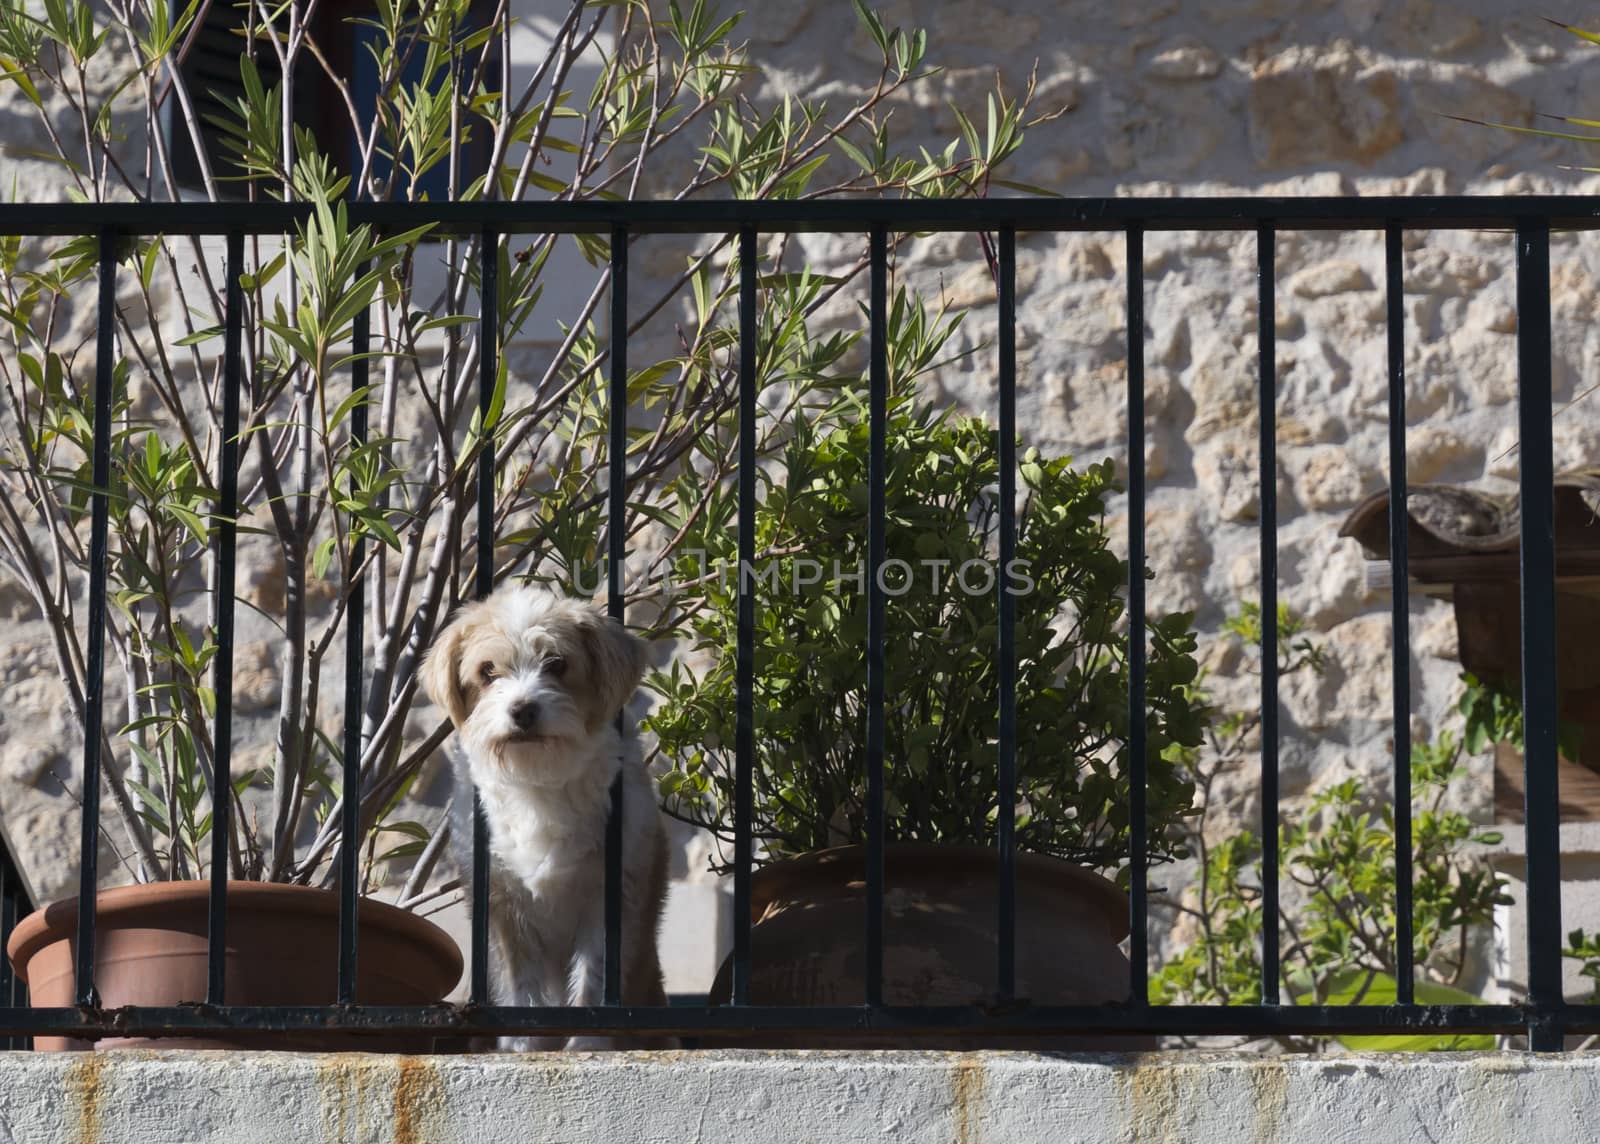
column 1166, row 98
column 1265, row 97
column 789, row 1097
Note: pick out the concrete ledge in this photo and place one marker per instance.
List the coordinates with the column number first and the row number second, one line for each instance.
column 772, row 1098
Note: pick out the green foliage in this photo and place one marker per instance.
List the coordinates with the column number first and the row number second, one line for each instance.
column 1492, row 710
column 394, row 511
column 1585, row 948
column 1337, row 865
column 942, row 621
column 1370, row 987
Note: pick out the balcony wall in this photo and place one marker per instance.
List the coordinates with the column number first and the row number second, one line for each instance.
column 234, row 1098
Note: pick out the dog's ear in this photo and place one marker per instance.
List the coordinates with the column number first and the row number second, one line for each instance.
column 617, row 661
column 441, row 669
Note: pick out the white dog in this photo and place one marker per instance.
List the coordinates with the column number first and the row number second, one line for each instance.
column 534, row 683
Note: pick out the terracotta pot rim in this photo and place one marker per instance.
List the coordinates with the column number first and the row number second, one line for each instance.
column 771, row 880
column 124, row 904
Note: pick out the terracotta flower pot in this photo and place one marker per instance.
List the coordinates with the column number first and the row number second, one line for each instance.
column 807, row 945
column 283, row 948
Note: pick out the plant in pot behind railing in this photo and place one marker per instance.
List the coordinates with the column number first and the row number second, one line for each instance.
column 941, row 728
column 666, row 84
column 159, row 757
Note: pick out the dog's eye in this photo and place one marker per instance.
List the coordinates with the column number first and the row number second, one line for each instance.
column 555, row 666
column 486, row 672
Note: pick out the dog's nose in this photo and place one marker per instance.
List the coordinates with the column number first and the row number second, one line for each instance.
column 525, row 715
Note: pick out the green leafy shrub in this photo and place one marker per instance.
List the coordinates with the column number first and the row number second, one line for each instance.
column 942, row 620
column 1584, row 948
column 660, row 110
column 1337, row 863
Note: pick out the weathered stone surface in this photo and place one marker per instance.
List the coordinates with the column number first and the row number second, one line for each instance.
column 1083, row 259
column 1433, row 30
column 1184, row 59
column 47, row 846
column 1497, row 315
column 15, row 602
column 1177, row 550
column 1455, row 92
column 1357, row 686
column 1572, row 289
column 1444, row 271
column 1162, row 130
column 976, row 285
column 1228, row 477
column 1575, row 443
column 1310, row 373
column 1176, row 540
column 1335, row 277
column 256, row 681
column 1264, row 97
column 29, row 760
column 790, row 1098
column 1139, row 14
column 1224, row 394
column 1437, row 636
column 1530, row 38
column 1328, row 479
column 1432, row 452
column 1313, row 104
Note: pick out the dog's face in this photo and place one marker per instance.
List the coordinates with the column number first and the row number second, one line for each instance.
column 528, row 676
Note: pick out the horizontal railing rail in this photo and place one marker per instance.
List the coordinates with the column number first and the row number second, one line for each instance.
column 1545, row 1016
column 709, row 216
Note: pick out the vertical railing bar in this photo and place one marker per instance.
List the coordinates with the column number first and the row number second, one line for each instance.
column 1400, row 594
column 616, row 606
column 8, row 920
column 877, row 473
column 13, row 901
column 478, row 987
column 1006, row 652
column 20, row 903
column 483, row 583
column 1138, row 775
column 94, row 677
column 1538, row 566
column 222, row 666
column 355, row 638
column 1267, row 355
column 20, row 997
column 744, row 746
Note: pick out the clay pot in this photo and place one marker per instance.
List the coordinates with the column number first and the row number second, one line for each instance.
column 283, row 949
column 807, row 944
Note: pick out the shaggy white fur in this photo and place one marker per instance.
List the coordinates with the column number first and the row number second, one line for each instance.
column 534, row 683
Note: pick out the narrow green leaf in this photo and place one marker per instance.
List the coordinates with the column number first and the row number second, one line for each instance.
column 323, row 557
column 199, row 336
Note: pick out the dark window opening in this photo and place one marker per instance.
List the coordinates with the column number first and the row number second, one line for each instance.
column 344, row 34
column 474, row 141
column 211, row 72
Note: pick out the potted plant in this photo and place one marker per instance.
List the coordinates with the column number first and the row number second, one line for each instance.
column 284, row 833
column 284, row 830
column 940, row 769
column 1337, row 868
column 321, row 507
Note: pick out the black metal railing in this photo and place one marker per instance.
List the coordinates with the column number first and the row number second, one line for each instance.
column 1545, row 1016
column 16, row 903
